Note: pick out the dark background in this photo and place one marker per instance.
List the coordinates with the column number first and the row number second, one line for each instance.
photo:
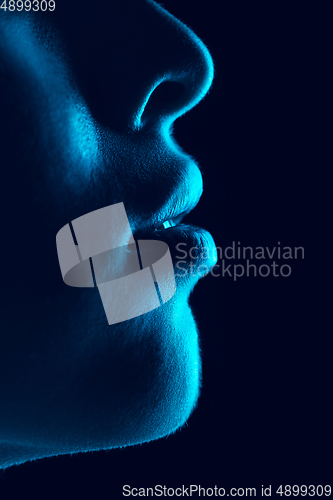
column 264, row 412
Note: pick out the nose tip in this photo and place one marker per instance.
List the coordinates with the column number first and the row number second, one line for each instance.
column 188, row 74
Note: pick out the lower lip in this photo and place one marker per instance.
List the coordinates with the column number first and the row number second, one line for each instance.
column 192, row 249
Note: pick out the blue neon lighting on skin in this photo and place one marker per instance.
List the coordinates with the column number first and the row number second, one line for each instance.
column 82, row 137
column 42, row 69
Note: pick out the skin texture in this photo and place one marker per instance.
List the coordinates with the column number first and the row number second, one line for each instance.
column 88, row 98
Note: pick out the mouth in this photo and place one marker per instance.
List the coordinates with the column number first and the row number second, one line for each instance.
column 192, row 248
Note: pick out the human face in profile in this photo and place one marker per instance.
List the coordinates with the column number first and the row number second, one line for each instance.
column 90, row 94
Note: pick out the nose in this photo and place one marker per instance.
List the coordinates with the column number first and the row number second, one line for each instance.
column 178, row 73
column 148, row 66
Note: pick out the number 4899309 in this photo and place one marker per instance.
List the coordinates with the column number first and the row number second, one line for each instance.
column 304, row 490
column 27, row 5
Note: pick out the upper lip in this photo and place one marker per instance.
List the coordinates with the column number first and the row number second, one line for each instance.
column 184, row 198
column 177, row 210
column 172, row 192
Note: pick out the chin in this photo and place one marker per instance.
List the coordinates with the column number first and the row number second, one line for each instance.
column 151, row 388
column 128, row 384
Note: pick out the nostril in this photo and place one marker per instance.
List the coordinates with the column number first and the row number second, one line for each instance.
column 167, row 93
column 165, row 99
